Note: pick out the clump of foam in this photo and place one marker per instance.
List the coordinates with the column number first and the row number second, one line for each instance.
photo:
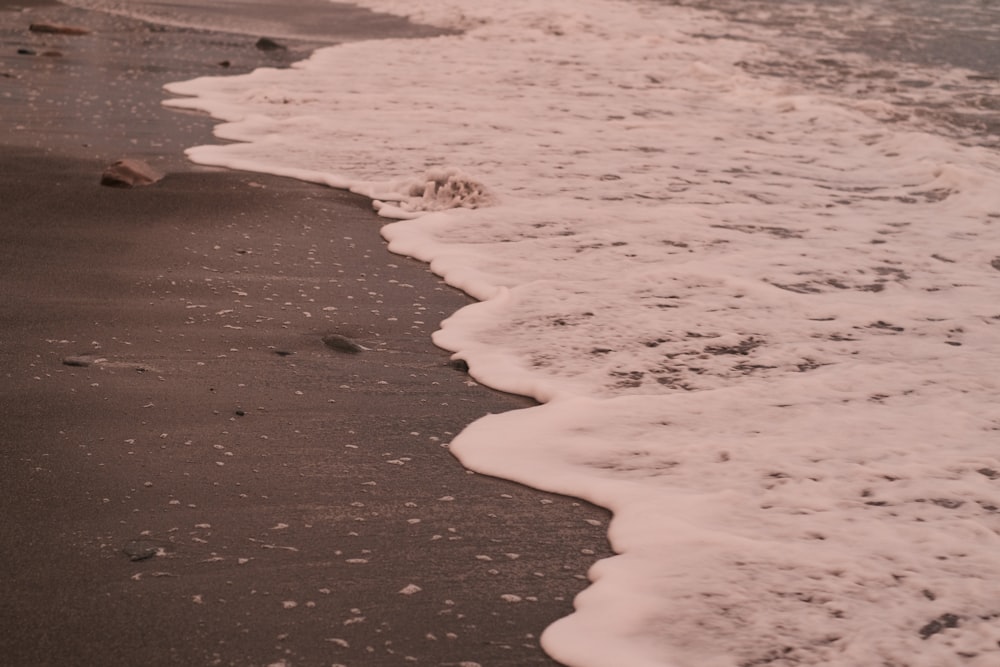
column 440, row 189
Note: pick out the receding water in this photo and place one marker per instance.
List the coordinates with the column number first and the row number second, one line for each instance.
column 938, row 63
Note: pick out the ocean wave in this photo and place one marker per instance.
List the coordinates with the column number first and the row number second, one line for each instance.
column 762, row 317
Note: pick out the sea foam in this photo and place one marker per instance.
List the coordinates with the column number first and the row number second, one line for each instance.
column 763, row 322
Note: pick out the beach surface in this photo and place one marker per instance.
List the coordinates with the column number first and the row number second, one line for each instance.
column 192, row 474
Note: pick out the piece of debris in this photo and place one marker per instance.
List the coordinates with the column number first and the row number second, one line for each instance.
column 52, row 29
column 129, row 174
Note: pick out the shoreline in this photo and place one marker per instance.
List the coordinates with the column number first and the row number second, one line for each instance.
column 303, row 507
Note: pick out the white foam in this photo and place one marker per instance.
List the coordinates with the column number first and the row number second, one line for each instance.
column 764, row 322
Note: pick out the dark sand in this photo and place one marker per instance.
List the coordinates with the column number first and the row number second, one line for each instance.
column 292, row 497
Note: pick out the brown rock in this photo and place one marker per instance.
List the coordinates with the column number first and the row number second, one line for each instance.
column 52, row 29
column 129, row 174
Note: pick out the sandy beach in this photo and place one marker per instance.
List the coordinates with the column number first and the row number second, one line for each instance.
column 191, row 475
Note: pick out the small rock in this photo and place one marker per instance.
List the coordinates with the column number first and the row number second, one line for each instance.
column 26, row 52
column 82, row 360
column 342, row 344
column 137, row 550
column 268, row 44
column 129, row 174
column 52, row 29
column 284, row 353
column 459, row 365
column 996, row 263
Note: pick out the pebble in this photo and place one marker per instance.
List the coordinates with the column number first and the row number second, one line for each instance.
column 342, row 344
column 138, row 550
column 81, row 360
column 129, row 174
column 52, row 29
column 268, row 44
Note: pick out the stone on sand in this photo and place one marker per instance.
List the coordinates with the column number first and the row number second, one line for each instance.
column 268, row 44
column 82, row 360
column 138, row 550
column 52, row 29
column 342, row 344
column 129, row 174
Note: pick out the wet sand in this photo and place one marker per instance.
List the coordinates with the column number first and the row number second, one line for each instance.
column 301, row 503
